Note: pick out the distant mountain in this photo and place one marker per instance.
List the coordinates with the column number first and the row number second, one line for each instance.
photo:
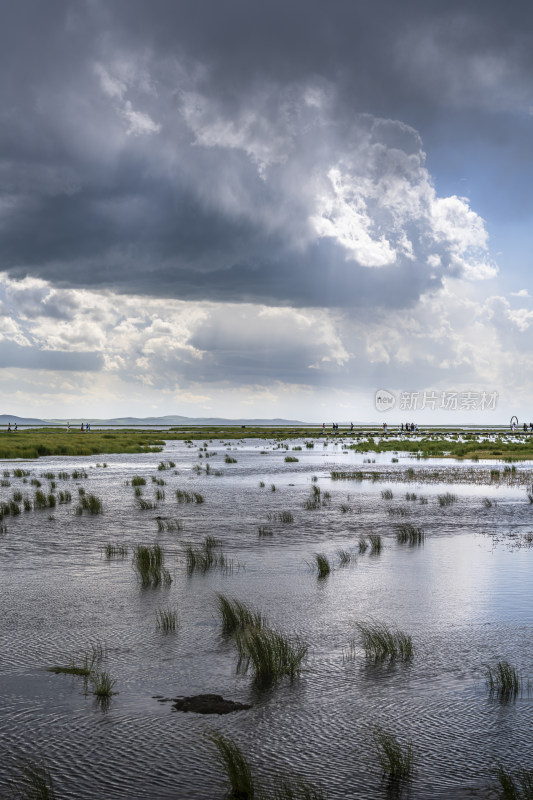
column 171, row 419
column 5, row 419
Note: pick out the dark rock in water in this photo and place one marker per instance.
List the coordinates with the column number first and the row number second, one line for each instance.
column 208, row 704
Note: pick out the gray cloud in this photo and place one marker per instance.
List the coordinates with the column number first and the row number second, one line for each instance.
column 13, row 355
column 183, row 150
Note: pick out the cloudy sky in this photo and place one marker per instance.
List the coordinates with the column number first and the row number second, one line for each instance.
column 229, row 208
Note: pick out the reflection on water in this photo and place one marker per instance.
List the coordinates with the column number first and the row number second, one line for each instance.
column 464, row 596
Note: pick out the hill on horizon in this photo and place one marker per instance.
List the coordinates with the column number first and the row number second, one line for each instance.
column 169, row 419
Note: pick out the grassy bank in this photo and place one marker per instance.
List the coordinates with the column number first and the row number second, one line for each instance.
column 35, row 442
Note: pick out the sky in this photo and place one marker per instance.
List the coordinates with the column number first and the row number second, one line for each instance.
column 281, row 209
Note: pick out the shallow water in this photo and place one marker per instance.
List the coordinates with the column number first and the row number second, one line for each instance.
column 465, row 597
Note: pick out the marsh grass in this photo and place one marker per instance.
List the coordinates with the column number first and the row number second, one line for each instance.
column 291, row 459
column 345, row 557
column 30, row 779
column 408, row 534
column 376, row 543
column 148, row 564
column 286, row 517
column 102, row 684
column 64, row 496
column 167, row 524
column 137, row 480
column 205, row 557
column 503, row 680
column 410, row 496
column 115, row 551
column 387, row 494
column 363, row 544
column 321, row 565
column 188, row 497
column 166, row 619
column 230, row 460
column 515, row 787
column 447, row 499
column 396, row 760
column 241, row 783
column 264, row 531
column 487, row 502
column 145, row 505
column 84, row 667
column 90, row 503
column 269, row 654
column 236, row 615
column 381, row 642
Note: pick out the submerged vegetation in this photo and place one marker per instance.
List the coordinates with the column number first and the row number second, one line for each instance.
column 503, row 680
column 381, row 642
column 396, row 760
column 148, row 564
column 236, row 616
column 269, row 654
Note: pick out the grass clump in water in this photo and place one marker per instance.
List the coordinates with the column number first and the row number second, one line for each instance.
column 345, row 557
column 387, row 494
column 381, row 642
column 291, row 459
column 363, row 544
column 236, row 768
column 408, row 534
column 286, row 517
column 31, row 780
column 230, row 460
column 90, row 503
column 515, row 787
column 235, row 615
column 148, row 564
column 188, row 497
column 376, row 543
column 166, row 619
column 115, row 551
column 395, row 760
column 321, row 565
column 205, row 557
column 447, row 499
column 264, row 531
column 269, row 654
column 503, row 680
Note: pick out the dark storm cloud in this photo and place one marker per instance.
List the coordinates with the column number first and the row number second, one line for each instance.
column 169, row 148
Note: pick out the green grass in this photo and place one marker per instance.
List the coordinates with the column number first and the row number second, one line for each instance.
column 166, row 619
column 381, row 642
column 321, row 565
column 115, row 551
column 206, row 557
column 345, row 557
column 83, row 668
column 237, row 770
column 376, row 543
column 503, row 680
column 387, row 494
column 235, row 615
column 514, row 787
column 269, row 655
column 188, row 497
column 37, row 442
column 408, row 534
column 447, row 499
column 148, row 563
column 363, row 544
column 166, row 524
column 264, row 531
column 30, row 779
column 396, row 760
column 102, row 685
column 137, row 480
column 291, row 459
column 230, row 460
column 286, row 517
column 90, row 503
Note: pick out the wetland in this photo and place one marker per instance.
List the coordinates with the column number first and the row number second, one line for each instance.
column 364, row 601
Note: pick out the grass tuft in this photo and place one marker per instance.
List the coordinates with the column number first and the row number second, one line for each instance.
column 31, row 780
column 235, row 615
column 503, row 680
column 381, row 642
column 376, row 543
column 236, row 768
column 395, row 760
column 321, row 565
column 408, row 534
column 148, row 563
column 515, row 787
column 269, row 654
column 166, row 619
column 205, row 557
column 447, row 499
